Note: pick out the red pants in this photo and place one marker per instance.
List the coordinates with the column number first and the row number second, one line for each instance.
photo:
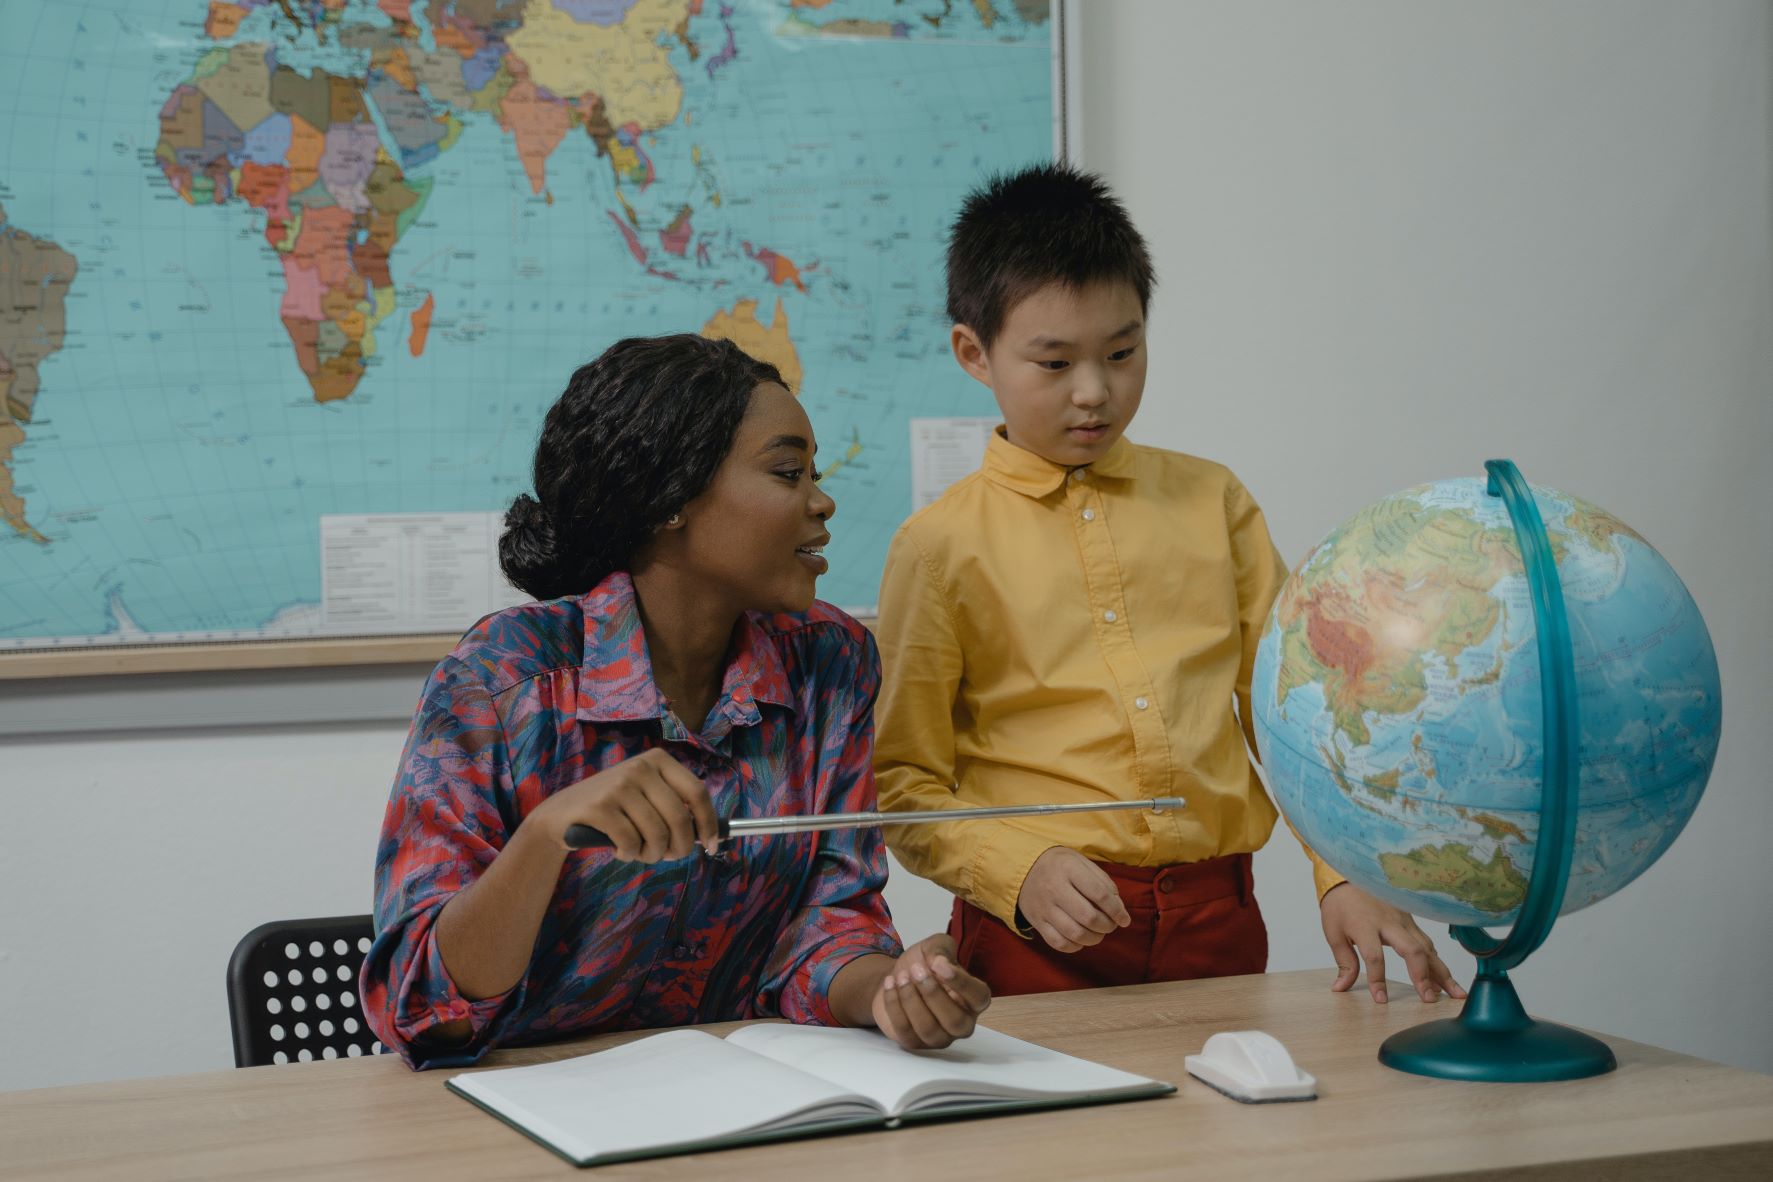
column 1199, row 919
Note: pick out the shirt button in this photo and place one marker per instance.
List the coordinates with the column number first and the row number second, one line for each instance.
column 1077, row 474
column 1110, row 616
column 1165, row 885
column 1141, row 703
column 681, row 951
column 1089, row 515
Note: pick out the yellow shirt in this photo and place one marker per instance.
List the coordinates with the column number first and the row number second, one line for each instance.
column 1055, row 635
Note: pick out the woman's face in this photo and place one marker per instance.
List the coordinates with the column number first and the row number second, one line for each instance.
column 757, row 532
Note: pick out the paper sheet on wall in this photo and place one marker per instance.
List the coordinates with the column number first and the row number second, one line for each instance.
column 944, row 450
column 411, row 572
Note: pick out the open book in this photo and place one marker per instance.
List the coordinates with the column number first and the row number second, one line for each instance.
column 687, row 1090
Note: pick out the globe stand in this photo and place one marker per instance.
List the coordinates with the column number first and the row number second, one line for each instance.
column 1493, row 1039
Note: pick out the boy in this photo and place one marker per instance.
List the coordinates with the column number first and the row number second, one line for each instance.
column 1071, row 623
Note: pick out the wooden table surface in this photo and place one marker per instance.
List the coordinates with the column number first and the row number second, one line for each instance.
column 1659, row 1115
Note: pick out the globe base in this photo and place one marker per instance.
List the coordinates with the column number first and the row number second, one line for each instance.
column 1493, row 1040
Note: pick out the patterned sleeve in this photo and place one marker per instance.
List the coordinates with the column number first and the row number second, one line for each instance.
column 841, row 914
column 443, row 827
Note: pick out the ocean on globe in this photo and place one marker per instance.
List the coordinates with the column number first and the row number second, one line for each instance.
column 1397, row 701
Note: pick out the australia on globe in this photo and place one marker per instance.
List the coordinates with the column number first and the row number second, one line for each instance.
column 1397, row 701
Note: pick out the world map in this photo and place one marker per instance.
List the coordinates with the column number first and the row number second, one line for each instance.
column 266, row 261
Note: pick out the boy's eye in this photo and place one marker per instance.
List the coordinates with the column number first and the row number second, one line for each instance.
column 1123, row 354
column 1053, row 366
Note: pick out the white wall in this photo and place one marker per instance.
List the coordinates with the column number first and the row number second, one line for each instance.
column 1398, row 239
column 1395, row 240
column 133, row 864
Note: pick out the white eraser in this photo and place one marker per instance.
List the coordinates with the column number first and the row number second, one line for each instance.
column 1251, row 1066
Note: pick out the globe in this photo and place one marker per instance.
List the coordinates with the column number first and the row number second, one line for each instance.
column 1425, row 699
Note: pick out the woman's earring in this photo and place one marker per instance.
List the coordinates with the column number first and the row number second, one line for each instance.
column 674, row 519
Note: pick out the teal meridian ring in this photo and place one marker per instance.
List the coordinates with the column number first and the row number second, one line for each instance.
column 1493, row 1039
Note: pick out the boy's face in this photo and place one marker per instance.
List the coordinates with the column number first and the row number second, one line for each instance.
column 1068, row 369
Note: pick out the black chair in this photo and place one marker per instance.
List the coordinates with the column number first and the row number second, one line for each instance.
column 292, row 992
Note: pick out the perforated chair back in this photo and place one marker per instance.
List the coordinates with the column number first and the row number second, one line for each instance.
column 292, row 991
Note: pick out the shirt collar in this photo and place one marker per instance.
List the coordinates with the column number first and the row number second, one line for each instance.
column 616, row 678
column 1035, row 476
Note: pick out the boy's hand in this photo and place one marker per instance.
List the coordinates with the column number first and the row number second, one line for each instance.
column 926, row 1000
column 1357, row 926
column 1070, row 900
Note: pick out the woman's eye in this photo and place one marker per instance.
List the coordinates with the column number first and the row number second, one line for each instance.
column 792, row 475
column 817, row 476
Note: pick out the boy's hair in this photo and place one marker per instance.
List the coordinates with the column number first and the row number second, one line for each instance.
column 1019, row 232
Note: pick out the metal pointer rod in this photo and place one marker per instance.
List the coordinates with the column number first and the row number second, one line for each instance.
column 584, row 837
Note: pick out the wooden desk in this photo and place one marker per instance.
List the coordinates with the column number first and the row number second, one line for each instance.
column 1660, row 1115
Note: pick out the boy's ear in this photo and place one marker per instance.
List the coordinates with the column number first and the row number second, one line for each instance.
column 970, row 352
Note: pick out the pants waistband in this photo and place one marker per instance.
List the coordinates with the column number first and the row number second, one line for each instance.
column 1185, row 884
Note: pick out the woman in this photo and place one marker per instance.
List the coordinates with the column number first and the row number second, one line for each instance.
column 675, row 669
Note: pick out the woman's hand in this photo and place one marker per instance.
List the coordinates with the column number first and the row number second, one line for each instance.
column 652, row 807
column 925, row 1000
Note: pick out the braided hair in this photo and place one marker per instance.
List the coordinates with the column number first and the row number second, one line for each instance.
column 638, row 434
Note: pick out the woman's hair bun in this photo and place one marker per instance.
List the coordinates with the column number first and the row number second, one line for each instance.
column 529, row 552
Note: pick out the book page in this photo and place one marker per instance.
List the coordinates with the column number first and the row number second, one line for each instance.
column 986, row 1066
column 677, row 1088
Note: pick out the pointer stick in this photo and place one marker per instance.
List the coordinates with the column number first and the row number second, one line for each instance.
column 584, row 837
